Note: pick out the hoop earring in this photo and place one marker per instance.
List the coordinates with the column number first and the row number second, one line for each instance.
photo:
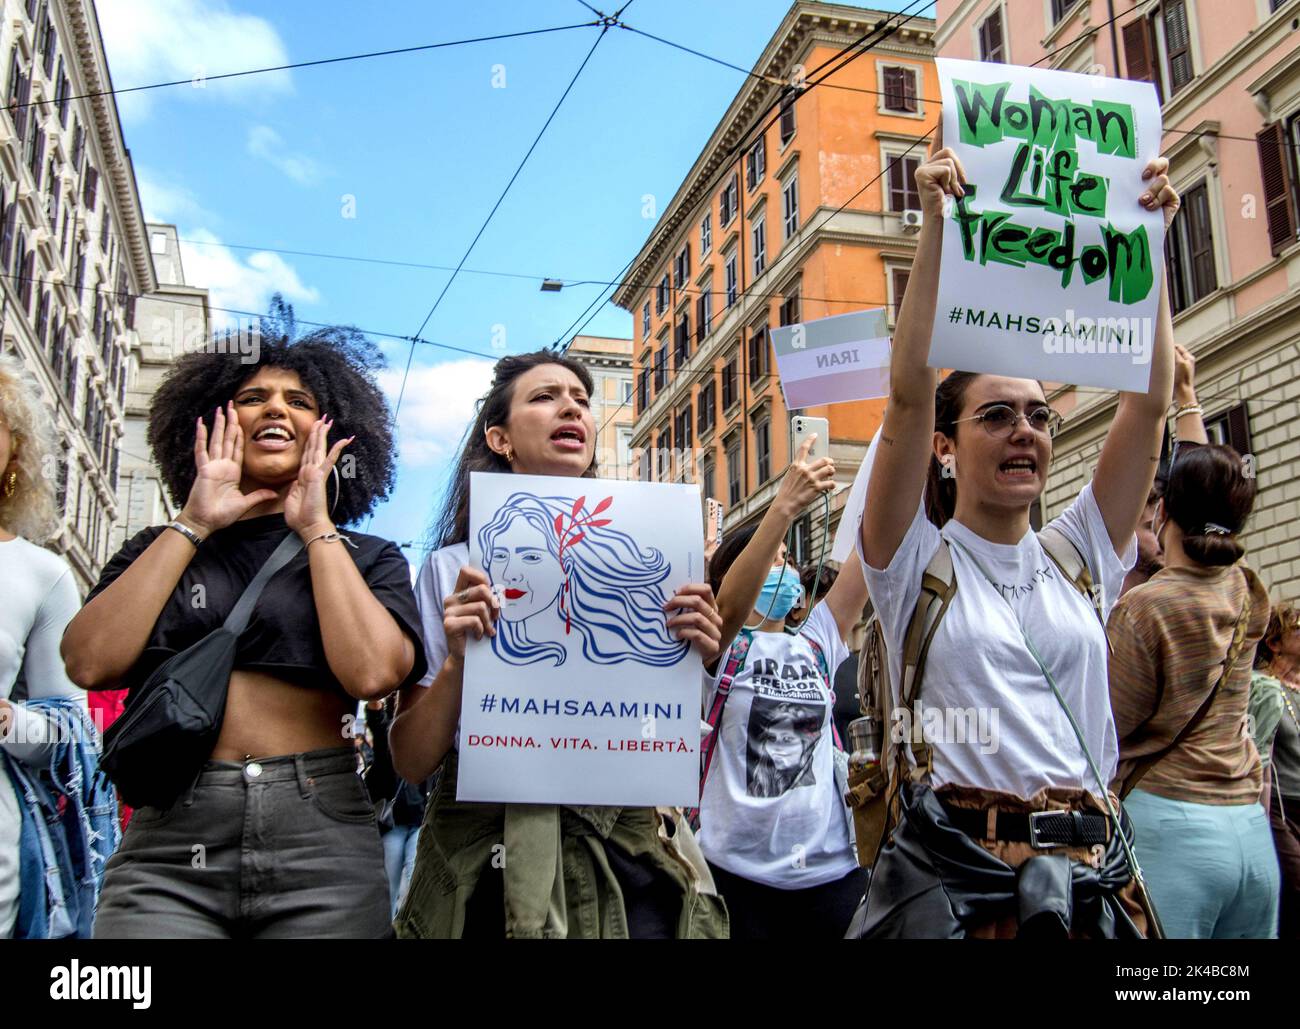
column 11, row 484
column 510, row 454
column 338, row 488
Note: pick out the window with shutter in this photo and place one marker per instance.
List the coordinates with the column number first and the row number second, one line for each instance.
column 990, row 33
column 893, row 89
column 1275, row 168
column 899, row 278
column 703, row 315
column 7, row 227
column 1189, row 251
column 1231, row 428
column 903, row 192
column 900, row 90
column 790, row 310
column 1178, row 45
column 1201, row 240
column 1139, row 60
column 729, row 392
column 92, row 184
column 758, row 361
column 790, row 205
column 36, row 152
column 61, row 95
column 733, row 474
column 755, row 163
column 787, row 115
column 20, row 113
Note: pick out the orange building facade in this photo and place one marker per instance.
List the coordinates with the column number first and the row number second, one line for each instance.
column 798, row 221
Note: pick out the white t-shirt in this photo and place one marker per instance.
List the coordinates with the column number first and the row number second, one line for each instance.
column 771, row 811
column 998, row 726
column 436, row 581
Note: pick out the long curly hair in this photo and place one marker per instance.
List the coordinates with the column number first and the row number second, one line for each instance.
column 337, row 364
column 31, row 511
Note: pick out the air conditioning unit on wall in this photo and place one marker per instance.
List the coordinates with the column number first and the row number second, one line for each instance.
column 911, row 221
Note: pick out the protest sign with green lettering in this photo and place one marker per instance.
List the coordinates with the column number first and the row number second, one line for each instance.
column 1051, row 268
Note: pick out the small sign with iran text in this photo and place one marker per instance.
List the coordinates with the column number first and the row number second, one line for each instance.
column 1051, row 267
column 833, row 360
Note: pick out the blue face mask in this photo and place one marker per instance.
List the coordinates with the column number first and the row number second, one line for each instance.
column 776, row 601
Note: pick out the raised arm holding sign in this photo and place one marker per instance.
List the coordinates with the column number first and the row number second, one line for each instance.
column 1020, row 632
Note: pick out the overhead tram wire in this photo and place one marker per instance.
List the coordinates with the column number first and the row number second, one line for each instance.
column 619, row 282
column 199, row 306
column 410, row 354
column 486, row 221
column 310, row 64
column 725, row 165
column 894, row 159
column 865, row 187
column 420, row 266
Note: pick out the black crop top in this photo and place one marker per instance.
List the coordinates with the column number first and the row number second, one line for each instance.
column 283, row 636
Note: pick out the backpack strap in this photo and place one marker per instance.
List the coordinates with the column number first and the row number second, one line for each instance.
column 736, row 655
column 824, row 667
column 1074, row 566
column 938, row 587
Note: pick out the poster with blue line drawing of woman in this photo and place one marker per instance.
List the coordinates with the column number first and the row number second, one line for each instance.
column 583, row 695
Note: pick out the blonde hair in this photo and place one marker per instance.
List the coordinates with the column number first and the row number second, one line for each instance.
column 30, row 512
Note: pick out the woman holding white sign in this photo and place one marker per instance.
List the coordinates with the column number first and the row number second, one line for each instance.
column 532, row 870
column 1015, row 627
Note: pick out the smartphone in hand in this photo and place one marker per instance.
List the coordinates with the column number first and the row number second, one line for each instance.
column 801, row 427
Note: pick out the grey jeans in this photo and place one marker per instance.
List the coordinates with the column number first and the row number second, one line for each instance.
column 275, row 848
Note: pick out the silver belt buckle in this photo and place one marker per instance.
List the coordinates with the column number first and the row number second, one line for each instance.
column 1034, row 818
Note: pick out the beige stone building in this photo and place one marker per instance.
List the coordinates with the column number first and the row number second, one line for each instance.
column 1228, row 74
column 74, row 254
column 609, row 359
column 169, row 321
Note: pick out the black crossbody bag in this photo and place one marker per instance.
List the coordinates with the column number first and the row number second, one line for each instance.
column 155, row 749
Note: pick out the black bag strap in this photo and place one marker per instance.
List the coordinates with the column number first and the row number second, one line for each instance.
column 237, row 621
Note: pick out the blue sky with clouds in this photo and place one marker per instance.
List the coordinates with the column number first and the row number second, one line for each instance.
column 424, row 143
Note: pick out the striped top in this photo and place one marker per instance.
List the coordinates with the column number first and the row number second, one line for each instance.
column 1170, row 637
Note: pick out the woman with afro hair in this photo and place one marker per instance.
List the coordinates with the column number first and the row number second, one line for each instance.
column 275, row 837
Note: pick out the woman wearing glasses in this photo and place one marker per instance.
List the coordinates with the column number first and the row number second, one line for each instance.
column 973, row 454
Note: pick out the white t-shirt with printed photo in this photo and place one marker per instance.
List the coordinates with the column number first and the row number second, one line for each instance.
column 998, row 725
column 771, row 810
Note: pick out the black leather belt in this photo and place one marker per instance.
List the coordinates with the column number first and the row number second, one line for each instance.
column 1040, row 829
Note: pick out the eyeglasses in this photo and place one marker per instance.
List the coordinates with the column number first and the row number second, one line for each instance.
column 1000, row 420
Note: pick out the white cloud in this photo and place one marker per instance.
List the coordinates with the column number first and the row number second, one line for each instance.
column 168, row 202
column 152, row 41
column 266, row 143
column 242, row 283
column 438, row 406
